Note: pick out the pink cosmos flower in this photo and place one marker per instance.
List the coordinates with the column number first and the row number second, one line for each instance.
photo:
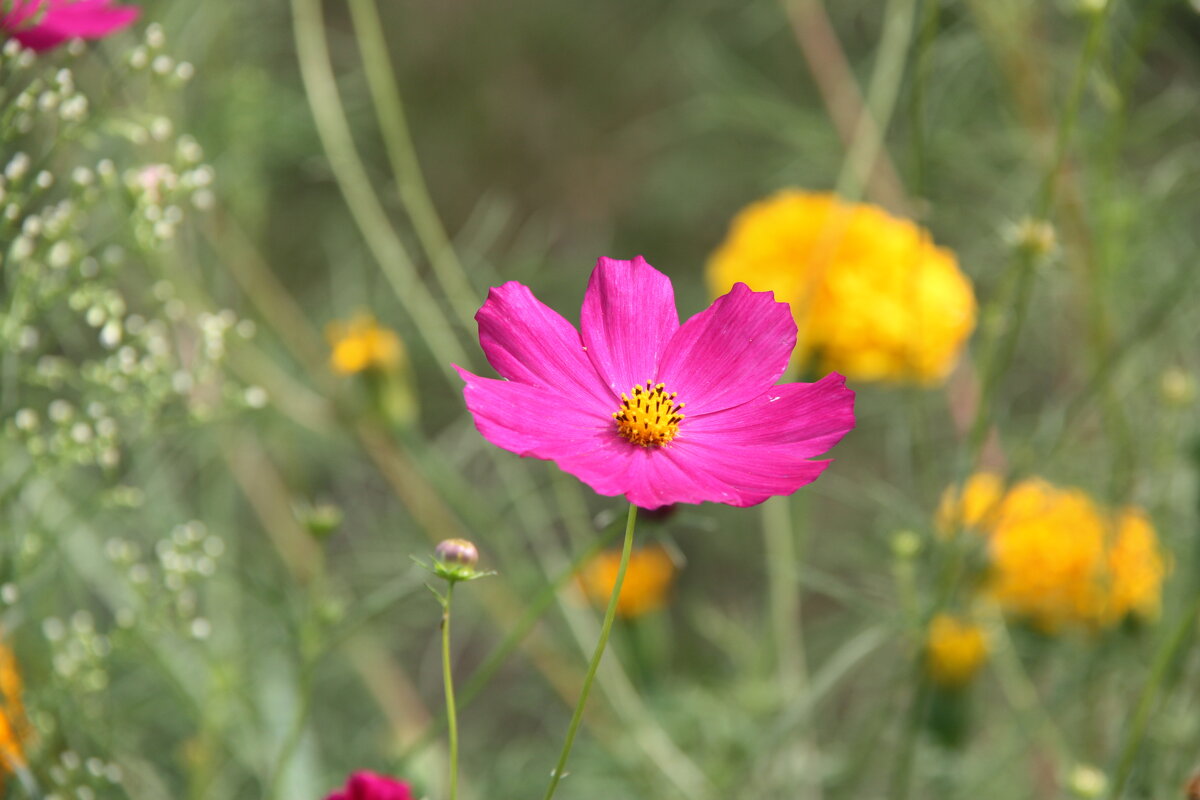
column 634, row 403
column 43, row 24
column 365, row 785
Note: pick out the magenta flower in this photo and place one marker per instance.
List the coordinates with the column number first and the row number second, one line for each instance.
column 634, row 403
column 43, row 24
column 365, row 785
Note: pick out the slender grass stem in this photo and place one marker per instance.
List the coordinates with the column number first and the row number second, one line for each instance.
column 882, row 92
column 448, row 680
column 1136, row 732
column 783, row 587
column 1004, row 349
column 312, row 50
column 917, row 98
column 1022, row 695
column 406, row 168
column 605, row 629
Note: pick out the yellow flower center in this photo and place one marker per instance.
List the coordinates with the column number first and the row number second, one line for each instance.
column 648, row 416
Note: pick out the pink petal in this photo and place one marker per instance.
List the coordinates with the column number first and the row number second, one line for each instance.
column 63, row 21
column 659, row 477
column 527, row 341
column 365, row 785
column 628, row 318
column 695, row 472
column 534, row 421
column 731, row 352
column 745, row 475
column 812, row 417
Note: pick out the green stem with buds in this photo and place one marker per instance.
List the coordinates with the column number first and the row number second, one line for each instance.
column 605, row 628
column 448, row 679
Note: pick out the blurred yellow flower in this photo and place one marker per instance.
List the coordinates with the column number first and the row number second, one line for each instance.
column 361, row 344
column 955, row 649
column 1056, row 557
column 648, row 580
column 1136, row 567
column 980, row 497
column 873, row 296
column 13, row 725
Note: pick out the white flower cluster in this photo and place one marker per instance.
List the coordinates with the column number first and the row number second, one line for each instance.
column 78, row 651
column 42, row 96
column 102, row 345
column 62, row 433
column 172, row 583
column 82, row 779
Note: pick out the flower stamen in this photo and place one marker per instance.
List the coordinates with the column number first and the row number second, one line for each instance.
column 649, row 416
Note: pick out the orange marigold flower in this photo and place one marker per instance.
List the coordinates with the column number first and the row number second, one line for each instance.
column 955, row 649
column 873, row 296
column 14, row 728
column 361, row 344
column 1056, row 557
column 647, row 583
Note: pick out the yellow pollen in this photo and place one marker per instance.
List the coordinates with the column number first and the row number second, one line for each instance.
column 649, row 416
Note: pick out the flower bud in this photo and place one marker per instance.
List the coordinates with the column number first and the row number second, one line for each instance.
column 1177, row 387
column 906, row 544
column 1033, row 236
column 459, row 552
column 1087, row 781
column 321, row 520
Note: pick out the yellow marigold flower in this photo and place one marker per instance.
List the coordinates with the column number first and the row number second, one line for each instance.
column 648, row 580
column 1047, row 554
column 955, row 649
column 361, row 344
column 873, row 296
column 14, row 728
column 1057, row 558
column 1136, row 567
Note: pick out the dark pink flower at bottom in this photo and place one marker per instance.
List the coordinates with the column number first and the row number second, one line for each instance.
column 43, row 24
column 364, row 785
column 633, row 403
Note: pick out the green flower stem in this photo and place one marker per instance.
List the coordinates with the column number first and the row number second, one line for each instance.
column 1003, row 349
column 516, row 634
column 448, row 679
column 605, row 629
column 1163, row 662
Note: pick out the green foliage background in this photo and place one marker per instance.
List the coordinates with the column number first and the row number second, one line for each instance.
column 549, row 134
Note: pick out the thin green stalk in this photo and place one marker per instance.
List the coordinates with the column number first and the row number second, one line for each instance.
column 295, row 734
column 1022, row 695
column 605, row 628
column 925, row 40
column 516, row 634
column 783, row 587
column 881, row 99
column 917, row 709
column 613, row 681
column 1005, row 348
column 1137, row 727
column 406, row 168
column 448, row 680
column 312, row 50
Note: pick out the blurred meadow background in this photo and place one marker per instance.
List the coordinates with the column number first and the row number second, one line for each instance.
column 236, row 273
